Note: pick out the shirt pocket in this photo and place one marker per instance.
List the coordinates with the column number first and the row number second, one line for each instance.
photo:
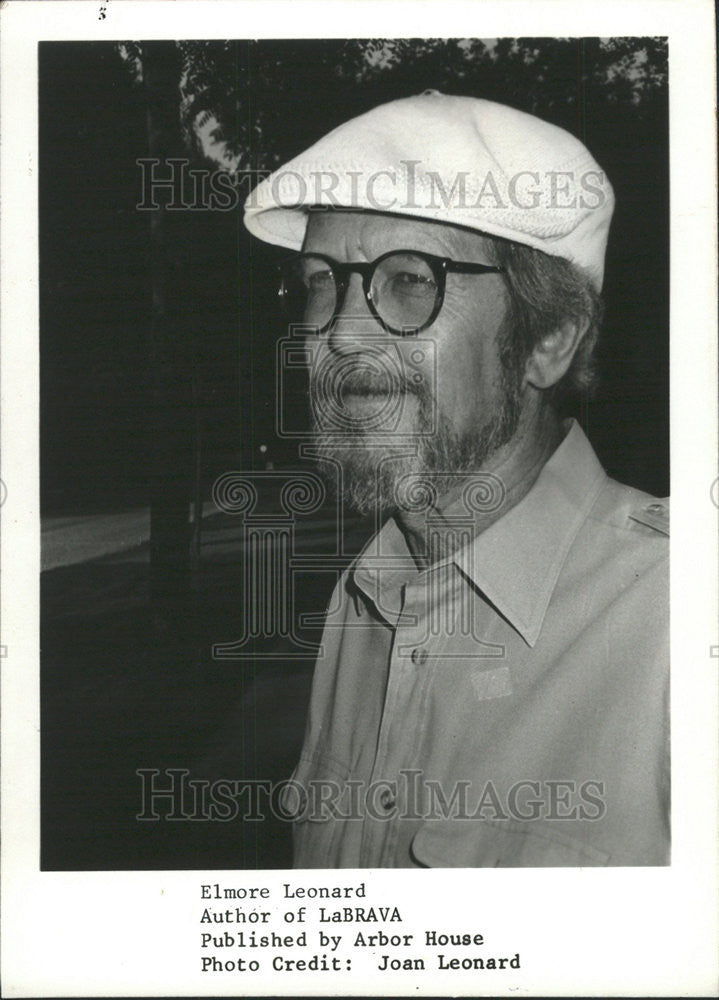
column 310, row 800
column 501, row 844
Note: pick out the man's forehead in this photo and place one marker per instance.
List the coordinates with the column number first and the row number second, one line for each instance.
column 353, row 232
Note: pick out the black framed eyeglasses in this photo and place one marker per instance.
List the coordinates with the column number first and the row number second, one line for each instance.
column 404, row 289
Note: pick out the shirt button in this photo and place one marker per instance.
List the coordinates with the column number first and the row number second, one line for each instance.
column 655, row 507
column 387, row 800
column 418, row 656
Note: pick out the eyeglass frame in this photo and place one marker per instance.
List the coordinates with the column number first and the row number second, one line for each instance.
column 440, row 267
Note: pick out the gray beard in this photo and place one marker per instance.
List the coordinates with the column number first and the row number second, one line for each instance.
column 373, row 472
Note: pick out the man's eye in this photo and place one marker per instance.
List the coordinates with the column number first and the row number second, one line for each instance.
column 319, row 280
column 412, row 283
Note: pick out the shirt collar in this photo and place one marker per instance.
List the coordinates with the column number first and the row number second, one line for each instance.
column 515, row 562
column 382, row 568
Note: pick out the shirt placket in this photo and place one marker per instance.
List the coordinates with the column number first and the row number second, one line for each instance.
column 414, row 651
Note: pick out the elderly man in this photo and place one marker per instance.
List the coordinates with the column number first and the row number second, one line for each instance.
column 492, row 683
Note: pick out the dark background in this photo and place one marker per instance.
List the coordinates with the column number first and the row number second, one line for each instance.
column 134, row 408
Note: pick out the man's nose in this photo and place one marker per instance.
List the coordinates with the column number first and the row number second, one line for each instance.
column 354, row 324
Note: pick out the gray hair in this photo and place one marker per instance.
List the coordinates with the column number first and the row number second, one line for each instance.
column 544, row 293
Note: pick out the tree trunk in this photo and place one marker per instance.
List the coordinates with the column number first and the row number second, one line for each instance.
column 171, row 424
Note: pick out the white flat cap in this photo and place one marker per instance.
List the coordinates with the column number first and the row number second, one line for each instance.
column 459, row 160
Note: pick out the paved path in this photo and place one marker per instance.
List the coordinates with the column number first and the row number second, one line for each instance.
column 67, row 541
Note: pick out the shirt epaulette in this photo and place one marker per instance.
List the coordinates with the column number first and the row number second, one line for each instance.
column 654, row 515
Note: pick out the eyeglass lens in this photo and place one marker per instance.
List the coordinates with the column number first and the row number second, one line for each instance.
column 403, row 290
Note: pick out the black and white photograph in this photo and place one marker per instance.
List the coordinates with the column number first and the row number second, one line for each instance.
column 408, row 445
column 356, row 432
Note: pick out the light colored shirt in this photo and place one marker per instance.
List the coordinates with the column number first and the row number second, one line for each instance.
column 508, row 706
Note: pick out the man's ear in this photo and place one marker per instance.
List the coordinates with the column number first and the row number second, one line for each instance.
column 553, row 354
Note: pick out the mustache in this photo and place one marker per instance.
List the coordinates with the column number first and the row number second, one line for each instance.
column 336, row 383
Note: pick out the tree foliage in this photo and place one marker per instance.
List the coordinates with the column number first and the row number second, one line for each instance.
column 250, row 104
